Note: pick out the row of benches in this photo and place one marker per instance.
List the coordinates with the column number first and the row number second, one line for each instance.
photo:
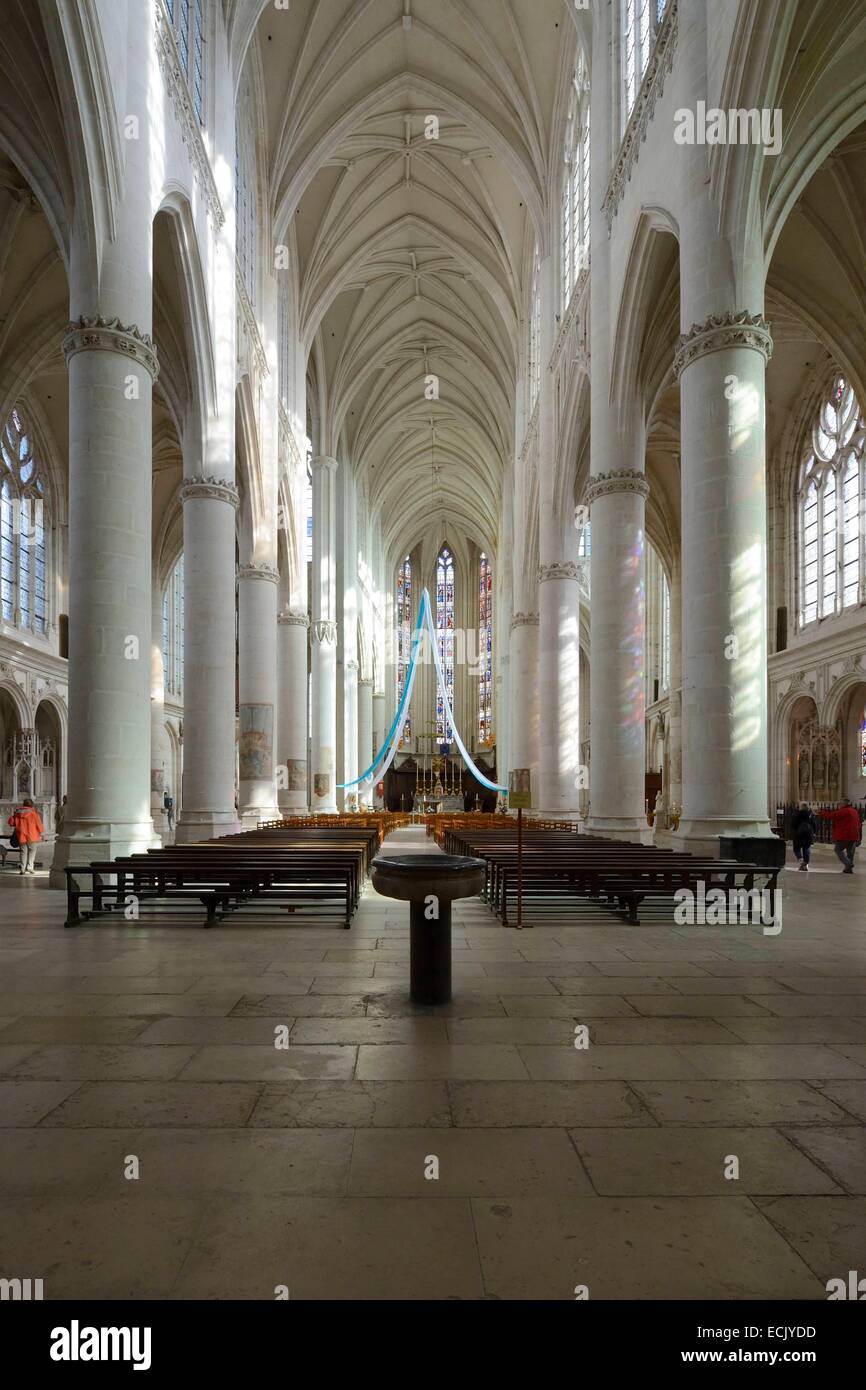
column 274, row 871
column 559, row 866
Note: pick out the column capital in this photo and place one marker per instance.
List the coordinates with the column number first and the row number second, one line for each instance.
column 98, row 334
column 722, row 331
column 219, row 488
column 325, row 632
column 558, row 569
column 324, row 461
column 266, row 572
column 294, row 617
column 524, row 620
column 366, row 681
column 602, row 484
column 351, row 664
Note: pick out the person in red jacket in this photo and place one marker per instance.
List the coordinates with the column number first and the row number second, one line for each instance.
column 847, row 833
column 27, row 824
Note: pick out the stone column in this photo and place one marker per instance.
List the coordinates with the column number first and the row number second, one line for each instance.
column 208, row 809
column 721, row 366
column 158, row 751
column 365, row 735
column 111, row 371
column 617, row 503
column 558, row 688
column 324, row 715
column 292, row 788
column 675, row 731
column 257, row 669
column 350, row 733
column 381, row 724
column 324, row 637
column 523, row 667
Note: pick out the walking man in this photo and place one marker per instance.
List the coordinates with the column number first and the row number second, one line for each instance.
column 804, row 828
column 847, row 832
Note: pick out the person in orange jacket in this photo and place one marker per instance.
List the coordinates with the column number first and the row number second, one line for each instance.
column 847, row 832
column 27, row 824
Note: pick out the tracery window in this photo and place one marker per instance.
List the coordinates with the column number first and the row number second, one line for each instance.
column 863, row 748
column 404, row 636
column 831, row 492
column 485, row 651
column 658, row 627
column 445, row 638
column 245, row 199
column 641, row 20
column 575, row 183
column 534, row 364
column 308, row 502
column 665, row 656
column 172, row 632
column 187, row 20
column 23, row 530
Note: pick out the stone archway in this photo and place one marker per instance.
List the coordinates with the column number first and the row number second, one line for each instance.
column 853, row 723
column 50, row 744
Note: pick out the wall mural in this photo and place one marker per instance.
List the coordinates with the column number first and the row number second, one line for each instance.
column 256, row 742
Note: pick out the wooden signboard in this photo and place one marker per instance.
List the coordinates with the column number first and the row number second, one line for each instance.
column 519, row 789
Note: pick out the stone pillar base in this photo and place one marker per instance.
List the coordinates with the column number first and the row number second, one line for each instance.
column 251, row 816
column 98, row 843
column 702, row 836
column 206, row 825
column 620, row 828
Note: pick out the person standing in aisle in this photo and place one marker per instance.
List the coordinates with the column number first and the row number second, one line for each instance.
column 27, row 824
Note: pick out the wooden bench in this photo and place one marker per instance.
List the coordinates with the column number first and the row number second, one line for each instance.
column 558, row 866
column 273, row 872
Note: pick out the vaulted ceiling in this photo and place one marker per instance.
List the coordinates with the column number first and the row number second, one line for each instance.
column 408, row 151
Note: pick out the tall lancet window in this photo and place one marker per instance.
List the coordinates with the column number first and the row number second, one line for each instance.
column 172, row 632
column 641, row 21
column 246, row 201
column 445, row 638
column 575, row 183
column 187, row 20
column 485, row 651
column 23, row 529
column 832, row 489
column 404, row 636
column 534, row 346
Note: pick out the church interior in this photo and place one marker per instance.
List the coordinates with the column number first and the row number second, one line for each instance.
column 433, row 649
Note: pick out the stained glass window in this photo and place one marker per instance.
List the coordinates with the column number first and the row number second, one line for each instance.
column 445, row 638
column 187, row 21
column 641, row 20
column 404, row 636
column 485, row 651
column 575, row 183
column 197, row 59
column 23, row 528
column 863, row 748
column 832, row 486
column 172, row 632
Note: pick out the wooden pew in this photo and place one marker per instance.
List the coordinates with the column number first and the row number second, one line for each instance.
column 275, row 872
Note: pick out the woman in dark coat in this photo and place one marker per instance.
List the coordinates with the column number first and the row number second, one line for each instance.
column 804, row 828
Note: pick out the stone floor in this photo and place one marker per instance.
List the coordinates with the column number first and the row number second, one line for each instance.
column 557, row 1167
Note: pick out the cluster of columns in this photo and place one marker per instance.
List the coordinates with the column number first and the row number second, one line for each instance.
column 717, row 739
